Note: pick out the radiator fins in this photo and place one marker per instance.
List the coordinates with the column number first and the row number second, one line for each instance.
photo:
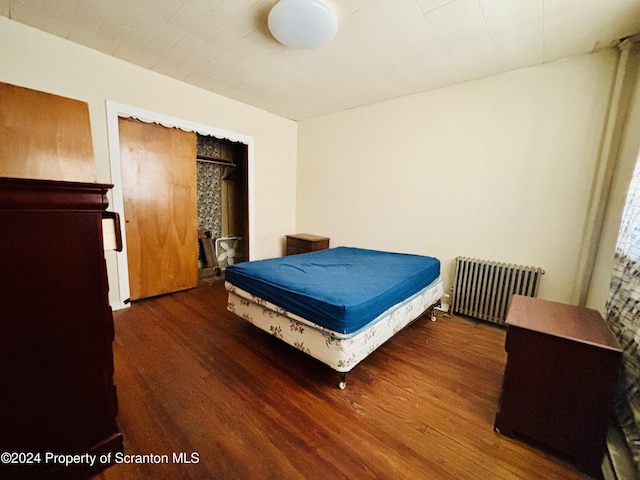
column 483, row 289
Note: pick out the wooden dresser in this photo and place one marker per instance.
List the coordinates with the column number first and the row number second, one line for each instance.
column 560, row 379
column 303, row 243
column 56, row 361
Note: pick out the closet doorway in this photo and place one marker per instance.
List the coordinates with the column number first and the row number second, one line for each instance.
column 162, row 249
column 222, row 204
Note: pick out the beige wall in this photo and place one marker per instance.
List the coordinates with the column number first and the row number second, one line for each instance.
column 500, row 168
column 33, row 59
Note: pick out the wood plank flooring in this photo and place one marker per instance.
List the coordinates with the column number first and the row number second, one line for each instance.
column 194, row 378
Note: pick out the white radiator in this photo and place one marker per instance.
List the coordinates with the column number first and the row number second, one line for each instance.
column 482, row 288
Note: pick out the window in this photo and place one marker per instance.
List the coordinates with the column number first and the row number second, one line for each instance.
column 629, row 237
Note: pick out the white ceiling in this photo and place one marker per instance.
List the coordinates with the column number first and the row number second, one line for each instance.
column 384, row 48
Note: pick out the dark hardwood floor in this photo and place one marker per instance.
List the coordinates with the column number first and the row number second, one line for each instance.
column 193, row 378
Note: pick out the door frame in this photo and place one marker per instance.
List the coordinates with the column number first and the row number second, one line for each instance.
column 116, row 110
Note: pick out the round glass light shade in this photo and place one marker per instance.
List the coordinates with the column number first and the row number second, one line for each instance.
column 302, row 23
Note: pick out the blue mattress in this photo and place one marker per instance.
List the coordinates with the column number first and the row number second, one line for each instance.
column 341, row 288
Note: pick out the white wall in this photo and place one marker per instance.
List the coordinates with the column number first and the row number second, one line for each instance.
column 31, row 58
column 499, row 168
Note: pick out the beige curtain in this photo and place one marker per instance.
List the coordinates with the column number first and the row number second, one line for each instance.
column 623, row 316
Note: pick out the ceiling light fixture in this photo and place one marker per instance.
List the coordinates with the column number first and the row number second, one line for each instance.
column 302, row 24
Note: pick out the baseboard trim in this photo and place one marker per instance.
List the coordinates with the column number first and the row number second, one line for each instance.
column 120, row 305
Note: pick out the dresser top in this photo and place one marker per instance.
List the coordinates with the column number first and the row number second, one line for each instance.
column 307, row 237
column 579, row 324
column 50, row 195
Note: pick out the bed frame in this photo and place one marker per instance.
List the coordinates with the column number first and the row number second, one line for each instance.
column 338, row 351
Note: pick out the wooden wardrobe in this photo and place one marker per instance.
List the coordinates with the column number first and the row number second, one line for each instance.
column 56, row 327
column 56, row 362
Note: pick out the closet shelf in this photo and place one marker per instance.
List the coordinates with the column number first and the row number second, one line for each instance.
column 216, row 160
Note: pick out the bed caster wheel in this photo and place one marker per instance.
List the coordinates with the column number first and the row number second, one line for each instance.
column 433, row 312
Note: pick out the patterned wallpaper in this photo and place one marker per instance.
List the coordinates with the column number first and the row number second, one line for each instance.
column 210, row 198
column 209, row 179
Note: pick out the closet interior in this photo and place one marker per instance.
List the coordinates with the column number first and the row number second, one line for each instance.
column 222, row 204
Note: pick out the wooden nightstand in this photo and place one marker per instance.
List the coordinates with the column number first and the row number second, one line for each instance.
column 560, row 379
column 303, row 243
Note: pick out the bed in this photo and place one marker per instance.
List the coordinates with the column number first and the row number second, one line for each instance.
column 336, row 305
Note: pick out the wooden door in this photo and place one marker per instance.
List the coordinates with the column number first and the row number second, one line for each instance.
column 159, row 189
